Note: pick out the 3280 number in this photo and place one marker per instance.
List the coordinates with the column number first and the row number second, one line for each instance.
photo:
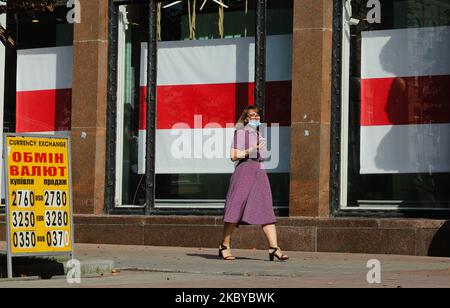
column 56, row 219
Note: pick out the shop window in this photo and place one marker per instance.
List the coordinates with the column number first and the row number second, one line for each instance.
column 205, row 77
column 38, row 74
column 396, row 133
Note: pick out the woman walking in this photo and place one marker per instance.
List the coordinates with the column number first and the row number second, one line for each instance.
column 249, row 198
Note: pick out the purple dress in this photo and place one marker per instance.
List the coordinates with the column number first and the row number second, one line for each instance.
column 249, row 198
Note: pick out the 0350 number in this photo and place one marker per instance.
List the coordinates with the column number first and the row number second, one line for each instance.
column 25, row 239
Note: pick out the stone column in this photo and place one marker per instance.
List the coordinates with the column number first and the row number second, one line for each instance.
column 89, row 101
column 311, row 105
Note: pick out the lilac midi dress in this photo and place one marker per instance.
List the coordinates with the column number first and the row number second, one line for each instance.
column 249, row 198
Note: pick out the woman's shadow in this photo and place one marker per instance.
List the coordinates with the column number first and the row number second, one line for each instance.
column 413, row 145
column 216, row 257
column 440, row 244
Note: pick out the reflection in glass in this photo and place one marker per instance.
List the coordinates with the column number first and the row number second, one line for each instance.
column 399, row 149
column 178, row 187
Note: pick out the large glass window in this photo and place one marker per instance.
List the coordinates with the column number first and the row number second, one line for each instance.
column 205, row 79
column 38, row 73
column 396, row 135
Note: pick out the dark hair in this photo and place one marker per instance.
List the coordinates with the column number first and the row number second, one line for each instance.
column 242, row 121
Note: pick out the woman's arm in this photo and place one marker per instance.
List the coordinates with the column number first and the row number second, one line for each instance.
column 241, row 154
column 238, row 154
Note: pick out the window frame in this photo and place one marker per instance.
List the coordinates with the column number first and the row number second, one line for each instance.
column 154, row 207
column 340, row 129
column 10, row 52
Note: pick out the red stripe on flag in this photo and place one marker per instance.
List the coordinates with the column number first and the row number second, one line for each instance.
column 405, row 100
column 44, row 110
column 216, row 103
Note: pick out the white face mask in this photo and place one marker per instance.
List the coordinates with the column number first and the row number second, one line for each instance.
column 254, row 123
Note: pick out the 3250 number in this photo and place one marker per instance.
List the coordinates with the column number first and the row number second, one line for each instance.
column 23, row 219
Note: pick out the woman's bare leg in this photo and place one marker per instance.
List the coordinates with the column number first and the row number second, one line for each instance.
column 271, row 234
column 228, row 229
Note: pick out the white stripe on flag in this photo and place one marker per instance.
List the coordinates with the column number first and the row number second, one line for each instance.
column 191, row 151
column 405, row 52
column 405, row 149
column 218, row 61
column 44, row 68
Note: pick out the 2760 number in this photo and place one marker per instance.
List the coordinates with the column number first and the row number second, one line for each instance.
column 23, row 198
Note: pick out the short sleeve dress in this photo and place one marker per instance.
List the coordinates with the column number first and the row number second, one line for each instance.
column 249, row 198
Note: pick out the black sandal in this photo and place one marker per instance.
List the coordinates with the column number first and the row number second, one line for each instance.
column 227, row 258
column 273, row 254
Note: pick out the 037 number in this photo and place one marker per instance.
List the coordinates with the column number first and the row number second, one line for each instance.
column 57, row 238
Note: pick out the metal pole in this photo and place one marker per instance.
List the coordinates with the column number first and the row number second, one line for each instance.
column 2, row 96
column 260, row 55
column 7, row 229
column 9, row 265
column 151, row 108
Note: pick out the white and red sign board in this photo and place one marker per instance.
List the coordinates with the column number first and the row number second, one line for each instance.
column 405, row 101
column 203, row 86
column 44, row 90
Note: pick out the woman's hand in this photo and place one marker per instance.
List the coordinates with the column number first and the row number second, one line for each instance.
column 256, row 147
column 238, row 155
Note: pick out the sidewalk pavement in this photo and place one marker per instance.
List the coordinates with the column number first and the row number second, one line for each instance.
column 175, row 267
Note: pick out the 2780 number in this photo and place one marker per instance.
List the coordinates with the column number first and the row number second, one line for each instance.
column 55, row 198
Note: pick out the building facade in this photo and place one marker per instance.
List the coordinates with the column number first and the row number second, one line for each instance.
column 354, row 92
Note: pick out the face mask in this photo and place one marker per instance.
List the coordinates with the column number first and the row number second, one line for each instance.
column 254, row 123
